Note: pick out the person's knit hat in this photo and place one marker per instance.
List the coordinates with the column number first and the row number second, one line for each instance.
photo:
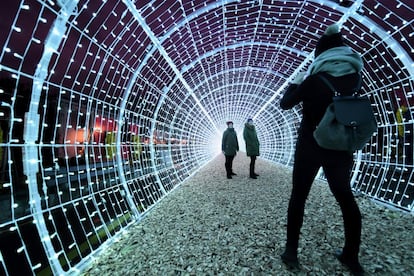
column 229, row 122
column 330, row 39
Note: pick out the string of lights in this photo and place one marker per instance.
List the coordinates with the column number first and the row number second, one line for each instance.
column 107, row 106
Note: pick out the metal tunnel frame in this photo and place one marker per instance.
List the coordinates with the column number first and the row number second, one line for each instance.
column 107, row 106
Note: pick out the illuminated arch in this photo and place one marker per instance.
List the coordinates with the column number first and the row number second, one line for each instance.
column 147, row 82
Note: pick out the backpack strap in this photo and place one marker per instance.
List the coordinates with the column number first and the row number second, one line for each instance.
column 329, row 84
column 336, row 93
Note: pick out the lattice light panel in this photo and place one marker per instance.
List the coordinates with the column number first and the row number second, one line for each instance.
column 106, row 106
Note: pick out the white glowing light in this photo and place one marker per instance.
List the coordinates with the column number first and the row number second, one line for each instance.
column 128, row 105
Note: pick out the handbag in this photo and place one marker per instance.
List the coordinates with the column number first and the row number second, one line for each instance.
column 348, row 122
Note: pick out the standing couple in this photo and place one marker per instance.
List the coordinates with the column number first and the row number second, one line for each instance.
column 230, row 146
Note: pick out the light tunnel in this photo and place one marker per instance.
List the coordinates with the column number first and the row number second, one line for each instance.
column 107, row 106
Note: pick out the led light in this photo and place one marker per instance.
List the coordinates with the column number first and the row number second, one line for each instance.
column 132, row 100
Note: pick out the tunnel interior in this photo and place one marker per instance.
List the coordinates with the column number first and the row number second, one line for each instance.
column 107, row 106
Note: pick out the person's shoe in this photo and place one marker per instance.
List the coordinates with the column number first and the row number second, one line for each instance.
column 253, row 176
column 353, row 265
column 290, row 260
column 229, row 177
column 233, row 173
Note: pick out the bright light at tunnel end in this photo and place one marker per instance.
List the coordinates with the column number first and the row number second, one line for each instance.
column 106, row 108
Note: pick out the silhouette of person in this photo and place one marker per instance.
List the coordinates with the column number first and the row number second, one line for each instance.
column 229, row 147
column 341, row 66
column 252, row 145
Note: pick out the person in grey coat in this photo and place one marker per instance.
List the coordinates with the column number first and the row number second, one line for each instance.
column 252, row 145
column 229, row 147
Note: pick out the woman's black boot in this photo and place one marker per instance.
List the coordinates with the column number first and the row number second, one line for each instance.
column 353, row 265
column 290, row 258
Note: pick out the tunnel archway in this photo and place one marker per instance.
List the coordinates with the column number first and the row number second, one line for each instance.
column 107, row 106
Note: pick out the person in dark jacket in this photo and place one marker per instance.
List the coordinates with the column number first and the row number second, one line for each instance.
column 341, row 66
column 252, row 145
column 230, row 147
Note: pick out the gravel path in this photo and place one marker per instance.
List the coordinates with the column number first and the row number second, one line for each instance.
column 211, row 225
